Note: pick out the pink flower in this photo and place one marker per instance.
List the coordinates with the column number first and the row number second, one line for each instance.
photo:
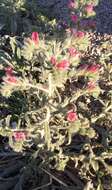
column 19, row 136
column 73, row 52
column 10, row 79
column 74, row 18
column 9, row 70
column 35, row 38
column 93, row 68
column 63, row 65
column 53, row 60
column 89, row 8
column 80, row 34
column 71, row 4
column 72, row 116
column 91, row 85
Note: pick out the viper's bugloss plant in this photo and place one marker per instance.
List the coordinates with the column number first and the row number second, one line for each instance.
column 56, row 100
column 45, row 70
column 41, row 71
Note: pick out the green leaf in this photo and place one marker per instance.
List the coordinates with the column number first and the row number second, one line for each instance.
column 91, row 133
column 62, row 164
column 95, row 165
column 89, row 186
column 19, row 53
column 96, row 93
column 74, row 127
column 28, row 50
column 60, row 78
column 99, row 187
column 13, row 44
column 47, row 135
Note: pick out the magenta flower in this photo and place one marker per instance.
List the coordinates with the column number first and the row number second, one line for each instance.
column 8, row 70
column 91, row 85
column 19, row 136
column 63, row 65
column 53, row 60
column 35, row 38
column 73, row 52
column 72, row 116
column 89, row 8
column 10, row 79
column 71, row 4
column 93, row 68
column 80, row 34
column 74, row 18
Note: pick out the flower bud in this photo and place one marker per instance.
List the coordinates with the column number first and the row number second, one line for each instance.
column 74, row 18
column 35, row 38
column 63, row 65
column 89, row 8
column 73, row 52
column 72, row 116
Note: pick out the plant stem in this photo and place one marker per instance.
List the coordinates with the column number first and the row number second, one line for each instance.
column 38, row 86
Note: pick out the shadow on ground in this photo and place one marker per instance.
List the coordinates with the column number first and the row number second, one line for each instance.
column 104, row 17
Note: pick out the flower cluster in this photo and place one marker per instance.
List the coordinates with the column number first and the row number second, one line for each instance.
column 74, row 18
column 90, row 68
column 91, row 85
column 35, row 38
column 10, row 78
column 61, row 65
column 73, row 52
column 72, row 4
column 19, row 136
column 89, row 8
column 72, row 116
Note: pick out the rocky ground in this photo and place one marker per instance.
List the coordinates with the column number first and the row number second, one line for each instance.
column 104, row 16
